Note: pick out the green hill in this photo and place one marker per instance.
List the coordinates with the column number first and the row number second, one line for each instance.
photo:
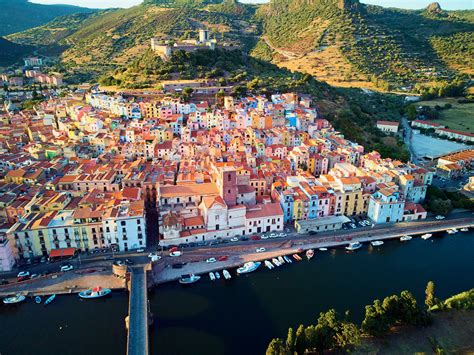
column 19, row 15
column 342, row 42
column 11, row 52
column 366, row 42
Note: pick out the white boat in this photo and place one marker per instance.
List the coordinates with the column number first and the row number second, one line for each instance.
column 376, row 243
column 189, row 279
column 354, row 246
column 50, row 299
column 226, row 274
column 309, row 254
column 95, row 292
column 406, row 238
column 465, row 229
column 15, row 299
column 323, row 249
column 211, row 276
column 276, row 262
column 248, row 267
column 452, row 231
column 297, row 257
column 268, row 264
column 218, row 276
column 287, row 259
column 281, row 260
column 426, row 236
column 37, row 299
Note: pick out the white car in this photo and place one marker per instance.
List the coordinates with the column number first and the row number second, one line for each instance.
column 272, row 235
column 23, row 274
column 264, row 236
column 211, row 260
column 175, row 253
column 140, row 250
column 235, row 239
column 65, row 268
column 155, row 258
column 260, row 250
column 439, row 217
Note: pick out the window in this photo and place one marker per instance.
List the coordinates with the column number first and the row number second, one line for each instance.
column 122, row 223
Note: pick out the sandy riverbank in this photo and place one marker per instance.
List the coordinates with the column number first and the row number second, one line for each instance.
column 71, row 282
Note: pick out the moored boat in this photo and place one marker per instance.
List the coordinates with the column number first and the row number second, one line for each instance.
column 281, row 260
column 406, row 238
column 15, row 299
column 309, row 254
column 50, row 299
column 269, row 264
column 323, row 249
column 354, row 246
column 218, row 276
column 189, row 279
column 276, row 262
column 426, row 236
column 226, row 274
column 211, row 276
column 287, row 259
column 465, row 229
column 95, row 292
column 452, row 231
column 297, row 257
column 37, row 299
column 248, row 267
column 376, row 243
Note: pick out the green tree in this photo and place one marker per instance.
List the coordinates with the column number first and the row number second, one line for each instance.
column 187, row 92
column 411, row 112
column 300, row 341
column 374, row 322
column 276, row 347
column 430, row 295
column 290, row 340
column 347, row 336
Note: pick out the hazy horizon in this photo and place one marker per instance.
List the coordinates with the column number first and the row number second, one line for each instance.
column 405, row 4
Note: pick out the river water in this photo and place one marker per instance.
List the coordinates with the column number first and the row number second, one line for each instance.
column 242, row 315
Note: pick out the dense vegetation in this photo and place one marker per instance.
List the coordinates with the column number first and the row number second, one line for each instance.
column 331, row 332
column 11, row 52
column 19, row 15
column 442, row 202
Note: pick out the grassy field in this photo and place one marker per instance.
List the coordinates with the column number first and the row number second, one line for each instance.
column 460, row 117
column 451, row 331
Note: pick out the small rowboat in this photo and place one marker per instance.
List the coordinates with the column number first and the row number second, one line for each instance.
column 297, row 257
column 50, row 299
column 309, row 254
column 38, row 299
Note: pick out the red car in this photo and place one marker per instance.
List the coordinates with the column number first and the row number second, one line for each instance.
column 223, row 258
column 173, row 249
column 255, row 237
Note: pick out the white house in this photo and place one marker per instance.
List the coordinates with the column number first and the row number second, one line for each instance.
column 386, row 206
column 388, row 126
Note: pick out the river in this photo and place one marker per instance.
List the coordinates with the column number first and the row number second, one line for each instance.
column 241, row 316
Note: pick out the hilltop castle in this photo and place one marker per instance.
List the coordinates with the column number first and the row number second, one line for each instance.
column 165, row 49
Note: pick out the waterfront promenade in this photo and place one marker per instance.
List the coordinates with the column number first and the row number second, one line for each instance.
column 137, row 341
column 240, row 253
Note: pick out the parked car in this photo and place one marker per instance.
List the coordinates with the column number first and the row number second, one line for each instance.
column 260, row 250
column 140, row 250
column 43, row 259
column 65, row 268
column 23, row 275
column 312, row 233
column 211, row 260
column 244, row 238
column 235, row 239
column 264, row 236
column 255, row 237
column 222, row 258
column 175, row 253
column 440, row 217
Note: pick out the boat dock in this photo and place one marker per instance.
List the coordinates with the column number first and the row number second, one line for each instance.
column 137, row 340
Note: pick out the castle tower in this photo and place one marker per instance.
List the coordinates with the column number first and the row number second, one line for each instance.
column 228, row 185
column 203, row 35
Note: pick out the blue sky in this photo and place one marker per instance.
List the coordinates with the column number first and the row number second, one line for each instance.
column 408, row 4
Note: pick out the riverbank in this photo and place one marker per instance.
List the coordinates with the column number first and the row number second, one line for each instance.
column 451, row 332
column 65, row 283
column 236, row 256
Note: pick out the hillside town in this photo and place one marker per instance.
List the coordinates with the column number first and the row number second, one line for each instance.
column 97, row 171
